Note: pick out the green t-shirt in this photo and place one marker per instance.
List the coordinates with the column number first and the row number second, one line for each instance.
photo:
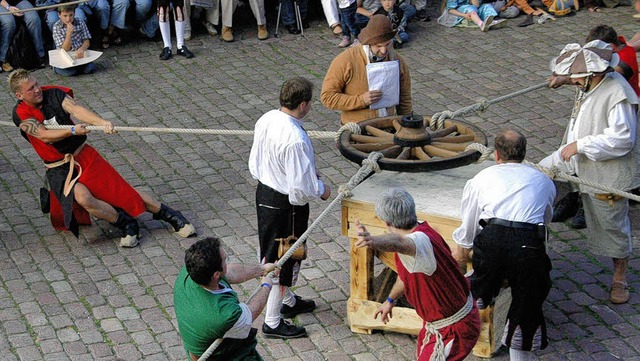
column 204, row 317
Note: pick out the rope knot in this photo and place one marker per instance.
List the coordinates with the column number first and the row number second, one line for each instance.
column 372, row 161
column 352, row 127
column 483, row 104
column 437, row 120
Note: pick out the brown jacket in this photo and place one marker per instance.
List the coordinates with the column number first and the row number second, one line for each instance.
column 346, row 81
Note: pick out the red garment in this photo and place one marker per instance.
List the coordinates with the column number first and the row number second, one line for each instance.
column 628, row 56
column 102, row 180
column 439, row 296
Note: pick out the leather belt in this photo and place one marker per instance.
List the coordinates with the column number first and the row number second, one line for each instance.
column 510, row 224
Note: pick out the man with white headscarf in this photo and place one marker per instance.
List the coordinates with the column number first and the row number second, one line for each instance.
column 599, row 146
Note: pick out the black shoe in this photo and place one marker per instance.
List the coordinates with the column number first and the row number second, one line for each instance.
column 292, row 29
column 42, row 62
column 301, row 306
column 422, row 15
column 179, row 223
column 183, row 51
column 578, row 221
column 566, row 208
column 284, row 330
column 305, row 24
column 166, row 54
column 129, row 229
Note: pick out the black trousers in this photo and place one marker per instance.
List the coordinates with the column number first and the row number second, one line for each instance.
column 519, row 256
column 277, row 218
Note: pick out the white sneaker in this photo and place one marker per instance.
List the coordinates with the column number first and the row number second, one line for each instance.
column 211, row 29
column 497, row 24
column 486, row 23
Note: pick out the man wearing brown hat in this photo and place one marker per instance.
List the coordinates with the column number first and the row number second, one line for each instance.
column 346, row 86
column 600, row 146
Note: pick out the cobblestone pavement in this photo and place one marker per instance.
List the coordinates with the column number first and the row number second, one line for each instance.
column 87, row 299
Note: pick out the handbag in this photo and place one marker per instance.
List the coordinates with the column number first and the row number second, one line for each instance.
column 284, row 244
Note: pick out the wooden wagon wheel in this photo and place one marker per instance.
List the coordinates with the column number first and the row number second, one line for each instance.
column 409, row 145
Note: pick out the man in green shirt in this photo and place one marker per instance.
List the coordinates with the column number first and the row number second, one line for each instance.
column 207, row 308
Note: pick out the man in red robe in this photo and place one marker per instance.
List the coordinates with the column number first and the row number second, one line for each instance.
column 428, row 276
column 80, row 180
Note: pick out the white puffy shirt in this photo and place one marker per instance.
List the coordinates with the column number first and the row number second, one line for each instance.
column 510, row 191
column 282, row 158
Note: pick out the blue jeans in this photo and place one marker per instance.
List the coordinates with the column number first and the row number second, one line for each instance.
column 361, row 22
column 409, row 12
column 76, row 70
column 348, row 20
column 119, row 10
column 288, row 13
column 8, row 29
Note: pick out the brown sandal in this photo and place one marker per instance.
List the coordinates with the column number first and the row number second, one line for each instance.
column 337, row 29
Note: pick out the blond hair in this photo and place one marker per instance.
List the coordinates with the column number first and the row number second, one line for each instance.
column 16, row 78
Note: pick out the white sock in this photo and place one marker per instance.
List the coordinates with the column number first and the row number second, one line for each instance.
column 165, row 30
column 179, row 34
column 274, row 303
column 519, row 355
column 289, row 298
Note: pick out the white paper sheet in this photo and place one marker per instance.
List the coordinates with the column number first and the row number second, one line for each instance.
column 59, row 58
column 385, row 76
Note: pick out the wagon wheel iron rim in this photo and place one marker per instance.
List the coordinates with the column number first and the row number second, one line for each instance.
column 410, row 146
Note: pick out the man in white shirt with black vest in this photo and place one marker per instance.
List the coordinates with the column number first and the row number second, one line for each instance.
column 282, row 160
column 504, row 211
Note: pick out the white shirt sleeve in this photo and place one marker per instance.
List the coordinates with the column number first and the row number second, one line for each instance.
column 470, row 215
column 243, row 326
column 616, row 140
column 303, row 181
column 424, row 260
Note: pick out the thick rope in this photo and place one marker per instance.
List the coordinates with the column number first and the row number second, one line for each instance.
column 554, row 173
column 432, row 328
column 45, row 7
column 369, row 165
column 312, row 133
column 437, row 120
column 352, row 127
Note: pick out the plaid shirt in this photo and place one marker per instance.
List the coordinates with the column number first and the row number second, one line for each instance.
column 80, row 34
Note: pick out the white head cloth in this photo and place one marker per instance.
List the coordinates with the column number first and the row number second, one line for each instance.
column 579, row 61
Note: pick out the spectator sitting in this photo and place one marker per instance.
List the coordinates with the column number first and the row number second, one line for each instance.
column 505, row 9
column 148, row 22
column 364, row 12
column 101, row 8
column 72, row 34
column 460, row 12
column 398, row 20
column 348, row 11
column 8, row 26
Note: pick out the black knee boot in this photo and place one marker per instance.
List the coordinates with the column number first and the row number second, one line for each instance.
column 180, row 224
column 129, row 228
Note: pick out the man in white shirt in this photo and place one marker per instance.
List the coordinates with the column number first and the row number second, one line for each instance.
column 504, row 211
column 282, row 161
column 600, row 146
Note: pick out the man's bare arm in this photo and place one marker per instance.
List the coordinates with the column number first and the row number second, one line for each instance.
column 37, row 130
column 85, row 115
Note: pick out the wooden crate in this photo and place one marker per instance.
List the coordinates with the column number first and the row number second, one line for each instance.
column 437, row 196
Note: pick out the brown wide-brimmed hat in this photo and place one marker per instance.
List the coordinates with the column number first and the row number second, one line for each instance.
column 378, row 30
column 578, row 61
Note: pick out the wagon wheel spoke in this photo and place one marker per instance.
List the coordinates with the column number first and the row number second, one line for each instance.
column 444, row 132
column 456, row 139
column 373, row 147
column 392, row 152
column 405, row 154
column 438, row 152
column 419, row 153
column 367, row 139
column 396, row 125
column 454, row 147
column 379, row 133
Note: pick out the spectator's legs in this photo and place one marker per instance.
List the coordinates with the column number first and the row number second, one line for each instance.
column 147, row 19
column 361, row 22
column 163, row 18
column 287, row 12
column 187, row 19
column 119, row 13
column 257, row 7
column 349, row 20
column 409, row 12
column 34, row 26
column 213, row 15
column 330, row 9
column 7, row 30
column 179, row 16
column 228, row 7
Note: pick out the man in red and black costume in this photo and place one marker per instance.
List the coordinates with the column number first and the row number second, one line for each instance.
column 82, row 183
column 428, row 276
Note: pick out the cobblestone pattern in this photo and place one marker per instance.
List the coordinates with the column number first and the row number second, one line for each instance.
column 63, row 298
